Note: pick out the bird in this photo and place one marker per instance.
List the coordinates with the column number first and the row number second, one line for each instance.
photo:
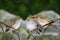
column 16, row 25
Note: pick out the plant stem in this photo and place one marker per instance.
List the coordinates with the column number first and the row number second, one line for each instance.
column 43, row 34
column 18, row 35
column 2, row 28
column 7, row 25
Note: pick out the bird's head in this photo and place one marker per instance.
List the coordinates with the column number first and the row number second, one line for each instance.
column 31, row 17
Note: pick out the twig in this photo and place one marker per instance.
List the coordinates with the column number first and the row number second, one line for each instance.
column 18, row 35
column 52, row 22
column 7, row 25
column 12, row 28
column 43, row 34
column 2, row 28
column 28, row 36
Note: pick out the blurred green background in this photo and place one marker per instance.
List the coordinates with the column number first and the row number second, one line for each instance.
column 24, row 8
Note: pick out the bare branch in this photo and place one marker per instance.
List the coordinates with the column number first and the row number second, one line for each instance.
column 18, row 35
column 2, row 28
column 7, row 25
column 10, row 27
column 52, row 22
column 43, row 35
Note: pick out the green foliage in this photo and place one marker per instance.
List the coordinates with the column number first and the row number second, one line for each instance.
column 24, row 8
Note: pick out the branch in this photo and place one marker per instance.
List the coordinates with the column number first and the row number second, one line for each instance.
column 43, row 35
column 12, row 28
column 2, row 28
column 7, row 25
column 18, row 35
column 50, row 23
